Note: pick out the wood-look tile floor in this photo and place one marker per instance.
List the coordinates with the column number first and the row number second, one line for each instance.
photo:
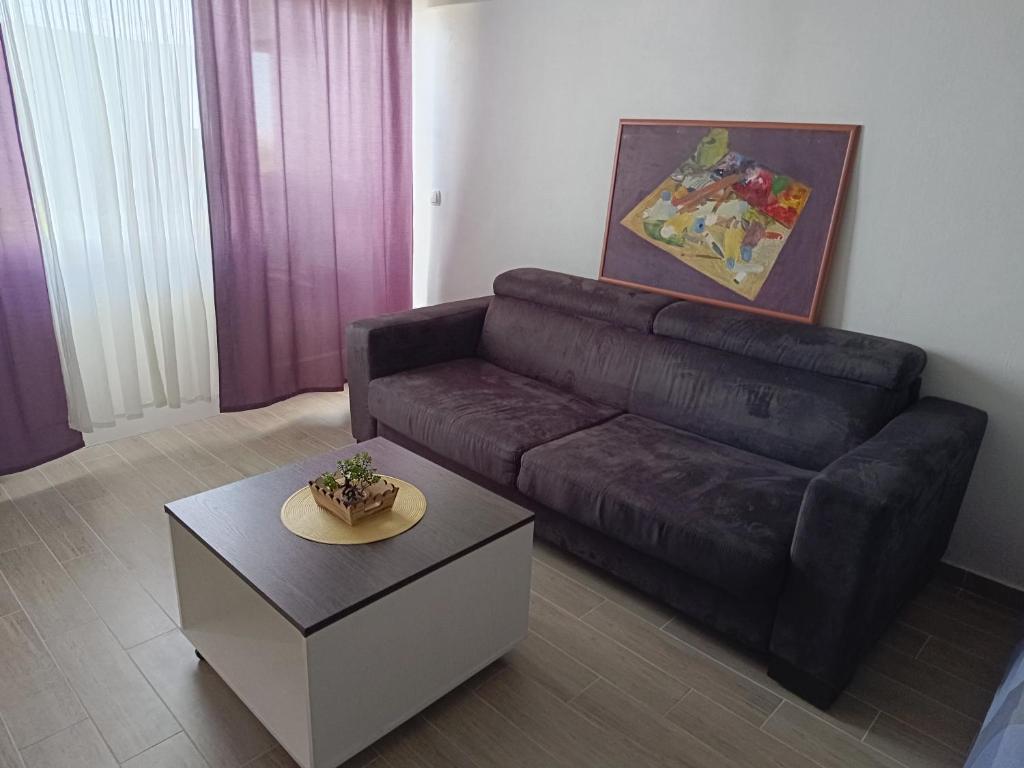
column 94, row 672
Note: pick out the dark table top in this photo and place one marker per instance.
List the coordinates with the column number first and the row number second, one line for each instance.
column 313, row 585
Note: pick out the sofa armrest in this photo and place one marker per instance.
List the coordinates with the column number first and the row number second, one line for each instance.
column 871, row 529
column 383, row 345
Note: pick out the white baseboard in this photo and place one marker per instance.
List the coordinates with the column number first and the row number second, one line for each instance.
column 153, row 419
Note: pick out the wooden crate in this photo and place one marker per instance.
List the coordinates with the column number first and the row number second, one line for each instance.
column 380, row 497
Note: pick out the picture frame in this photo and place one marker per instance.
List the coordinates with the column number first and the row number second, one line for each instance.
column 737, row 214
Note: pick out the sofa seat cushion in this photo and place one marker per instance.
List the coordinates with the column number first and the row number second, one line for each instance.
column 715, row 512
column 479, row 415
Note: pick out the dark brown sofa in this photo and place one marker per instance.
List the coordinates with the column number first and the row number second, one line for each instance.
column 782, row 483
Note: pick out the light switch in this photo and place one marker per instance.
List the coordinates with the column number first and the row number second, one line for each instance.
column 435, row 197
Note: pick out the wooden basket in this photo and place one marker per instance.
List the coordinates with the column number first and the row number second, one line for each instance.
column 380, row 497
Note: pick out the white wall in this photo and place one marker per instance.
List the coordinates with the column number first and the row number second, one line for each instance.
column 515, row 114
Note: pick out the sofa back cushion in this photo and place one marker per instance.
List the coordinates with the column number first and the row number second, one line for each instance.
column 800, row 394
column 582, row 297
column 576, row 334
column 802, row 418
column 833, row 352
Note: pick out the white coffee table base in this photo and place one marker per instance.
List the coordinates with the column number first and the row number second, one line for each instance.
column 328, row 696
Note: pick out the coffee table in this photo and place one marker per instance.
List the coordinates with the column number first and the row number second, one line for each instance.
column 332, row 646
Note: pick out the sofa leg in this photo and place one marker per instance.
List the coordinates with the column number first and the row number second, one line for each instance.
column 804, row 685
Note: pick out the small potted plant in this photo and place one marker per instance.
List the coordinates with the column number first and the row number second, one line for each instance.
column 354, row 491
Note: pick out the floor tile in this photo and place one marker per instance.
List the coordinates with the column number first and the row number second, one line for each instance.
column 919, row 711
column 418, row 744
column 197, row 461
column 146, row 552
column 22, row 485
column 910, row 746
column 126, row 483
column 957, row 661
column 821, row 742
column 220, row 726
column 365, row 759
column 79, row 746
column 740, row 742
column 846, row 713
column 661, row 739
column 106, row 514
column 234, row 426
column 997, row 593
column 8, row 602
column 179, row 448
column 487, row 737
column 569, row 595
column 737, row 693
column 604, row 584
column 91, row 452
column 72, row 480
column 298, row 441
column 58, row 524
column 35, row 699
column 125, row 709
column 233, row 453
column 14, row 528
column 10, row 757
column 958, row 694
column 905, row 638
column 559, row 729
column 332, row 430
column 176, row 752
column 132, row 615
column 611, row 660
column 275, row 758
column 974, row 611
column 46, row 592
column 550, row 666
column 171, row 480
column 939, row 624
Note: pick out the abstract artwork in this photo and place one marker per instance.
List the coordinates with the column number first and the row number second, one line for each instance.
column 739, row 214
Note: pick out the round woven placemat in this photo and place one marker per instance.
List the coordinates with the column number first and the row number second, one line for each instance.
column 302, row 516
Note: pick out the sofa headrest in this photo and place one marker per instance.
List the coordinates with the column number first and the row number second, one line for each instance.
column 582, row 297
column 828, row 351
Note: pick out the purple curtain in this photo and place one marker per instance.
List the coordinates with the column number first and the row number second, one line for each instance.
column 306, row 111
column 33, row 406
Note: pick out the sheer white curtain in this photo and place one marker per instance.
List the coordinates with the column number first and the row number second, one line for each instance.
column 107, row 106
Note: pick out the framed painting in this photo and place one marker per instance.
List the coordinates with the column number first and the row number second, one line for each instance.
column 743, row 215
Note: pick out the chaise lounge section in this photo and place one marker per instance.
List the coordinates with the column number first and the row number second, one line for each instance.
column 782, row 483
